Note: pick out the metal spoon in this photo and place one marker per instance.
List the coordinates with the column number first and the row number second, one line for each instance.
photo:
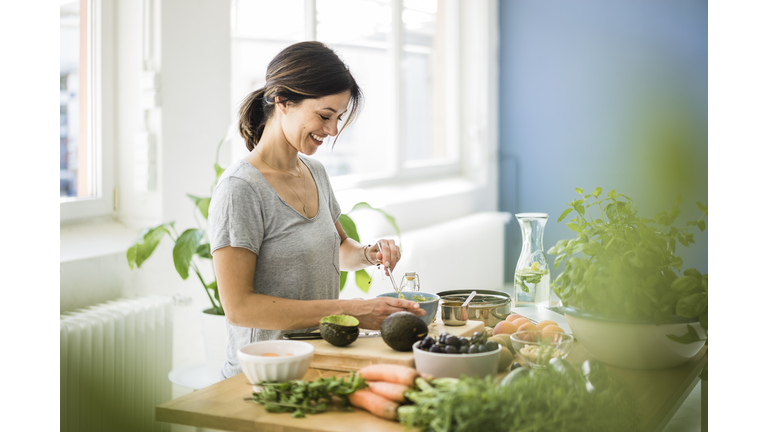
column 469, row 299
column 391, row 278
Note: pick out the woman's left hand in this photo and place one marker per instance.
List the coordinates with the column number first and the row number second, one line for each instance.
column 386, row 253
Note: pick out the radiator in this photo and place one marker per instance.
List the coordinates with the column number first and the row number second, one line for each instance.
column 115, row 359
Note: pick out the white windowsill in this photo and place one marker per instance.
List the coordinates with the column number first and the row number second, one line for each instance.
column 89, row 240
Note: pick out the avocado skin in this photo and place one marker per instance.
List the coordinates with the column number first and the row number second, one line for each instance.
column 402, row 329
column 339, row 335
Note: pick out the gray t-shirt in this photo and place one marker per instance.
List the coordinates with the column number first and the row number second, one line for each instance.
column 298, row 257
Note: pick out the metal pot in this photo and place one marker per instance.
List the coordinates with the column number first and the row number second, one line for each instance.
column 488, row 306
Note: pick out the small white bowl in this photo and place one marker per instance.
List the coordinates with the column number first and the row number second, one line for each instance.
column 455, row 365
column 257, row 367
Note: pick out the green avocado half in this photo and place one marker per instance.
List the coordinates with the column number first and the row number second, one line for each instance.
column 339, row 330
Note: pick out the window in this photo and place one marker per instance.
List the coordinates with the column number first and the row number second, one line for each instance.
column 404, row 55
column 84, row 155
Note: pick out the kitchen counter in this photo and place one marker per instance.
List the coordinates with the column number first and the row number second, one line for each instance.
column 224, row 406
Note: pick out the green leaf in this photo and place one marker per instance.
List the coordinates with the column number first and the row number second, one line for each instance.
column 691, row 337
column 349, row 227
column 701, row 225
column 186, row 246
column 702, row 207
column 612, row 193
column 219, row 170
column 202, row 204
column 342, row 280
column 559, row 259
column 692, row 306
column 677, row 262
column 686, row 285
column 579, row 191
column 573, row 227
column 204, row 251
column 682, row 239
column 597, row 192
column 692, row 272
column 363, row 280
column 704, row 320
column 145, row 244
column 564, row 214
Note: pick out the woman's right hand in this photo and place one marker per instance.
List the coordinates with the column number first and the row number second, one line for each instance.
column 371, row 313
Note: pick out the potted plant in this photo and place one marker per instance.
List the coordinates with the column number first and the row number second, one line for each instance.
column 192, row 248
column 620, row 287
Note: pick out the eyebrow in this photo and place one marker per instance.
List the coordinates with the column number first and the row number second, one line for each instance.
column 331, row 109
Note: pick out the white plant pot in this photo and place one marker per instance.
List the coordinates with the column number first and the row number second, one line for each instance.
column 215, row 339
column 634, row 345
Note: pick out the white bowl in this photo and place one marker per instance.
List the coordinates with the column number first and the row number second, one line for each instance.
column 634, row 345
column 282, row 368
column 455, row 365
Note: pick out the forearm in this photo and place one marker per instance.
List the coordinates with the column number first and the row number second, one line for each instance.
column 354, row 256
column 275, row 313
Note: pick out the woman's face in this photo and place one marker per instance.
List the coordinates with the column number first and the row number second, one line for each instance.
column 308, row 123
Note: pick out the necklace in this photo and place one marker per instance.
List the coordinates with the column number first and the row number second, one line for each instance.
column 287, row 172
column 303, row 202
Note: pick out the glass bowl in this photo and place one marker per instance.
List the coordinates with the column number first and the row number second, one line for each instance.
column 536, row 349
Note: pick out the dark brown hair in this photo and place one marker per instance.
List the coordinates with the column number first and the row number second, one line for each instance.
column 306, row 70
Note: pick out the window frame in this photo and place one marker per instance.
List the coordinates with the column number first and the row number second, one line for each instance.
column 100, row 79
column 406, row 171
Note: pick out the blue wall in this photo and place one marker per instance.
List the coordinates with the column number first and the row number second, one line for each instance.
column 602, row 93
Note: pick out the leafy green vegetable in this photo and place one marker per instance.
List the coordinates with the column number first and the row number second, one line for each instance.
column 624, row 265
column 539, row 401
column 301, row 397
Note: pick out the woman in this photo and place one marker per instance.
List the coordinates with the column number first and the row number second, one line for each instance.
column 276, row 240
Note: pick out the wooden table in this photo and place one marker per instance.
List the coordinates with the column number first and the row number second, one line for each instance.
column 222, row 406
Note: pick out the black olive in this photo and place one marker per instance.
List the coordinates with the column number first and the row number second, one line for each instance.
column 491, row 346
column 464, row 341
column 435, row 349
column 464, row 349
column 450, row 349
column 477, row 335
column 427, row 342
column 481, row 347
column 474, row 348
column 442, row 337
column 453, row 341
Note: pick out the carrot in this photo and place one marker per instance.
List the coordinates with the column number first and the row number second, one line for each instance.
column 375, row 404
column 391, row 391
column 390, row 373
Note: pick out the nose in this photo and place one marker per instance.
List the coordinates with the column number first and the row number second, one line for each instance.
column 331, row 129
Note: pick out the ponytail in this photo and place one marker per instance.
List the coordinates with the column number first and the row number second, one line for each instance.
column 253, row 118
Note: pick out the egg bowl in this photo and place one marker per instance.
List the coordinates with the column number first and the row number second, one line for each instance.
column 275, row 360
column 536, row 348
column 430, row 303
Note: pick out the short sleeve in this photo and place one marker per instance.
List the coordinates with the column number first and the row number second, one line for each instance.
column 234, row 216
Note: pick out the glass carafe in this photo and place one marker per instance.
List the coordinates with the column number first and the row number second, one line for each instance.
column 532, row 270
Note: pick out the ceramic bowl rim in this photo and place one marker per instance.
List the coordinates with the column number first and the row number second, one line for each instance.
column 539, row 341
column 262, row 359
column 596, row 316
column 445, row 355
column 393, row 294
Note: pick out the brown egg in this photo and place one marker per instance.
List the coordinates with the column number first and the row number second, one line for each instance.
column 531, row 329
column 512, row 317
column 520, row 321
column 543, row 324
column 552, row 332
column 504, row 327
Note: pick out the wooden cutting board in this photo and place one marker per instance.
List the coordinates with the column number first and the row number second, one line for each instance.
column 372, row 350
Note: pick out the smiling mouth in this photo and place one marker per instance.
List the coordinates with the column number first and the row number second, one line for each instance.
column 316, row 138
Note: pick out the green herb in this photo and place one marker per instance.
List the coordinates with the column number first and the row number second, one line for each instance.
column 300, row 397
column 544, row 400
column 624, row 265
